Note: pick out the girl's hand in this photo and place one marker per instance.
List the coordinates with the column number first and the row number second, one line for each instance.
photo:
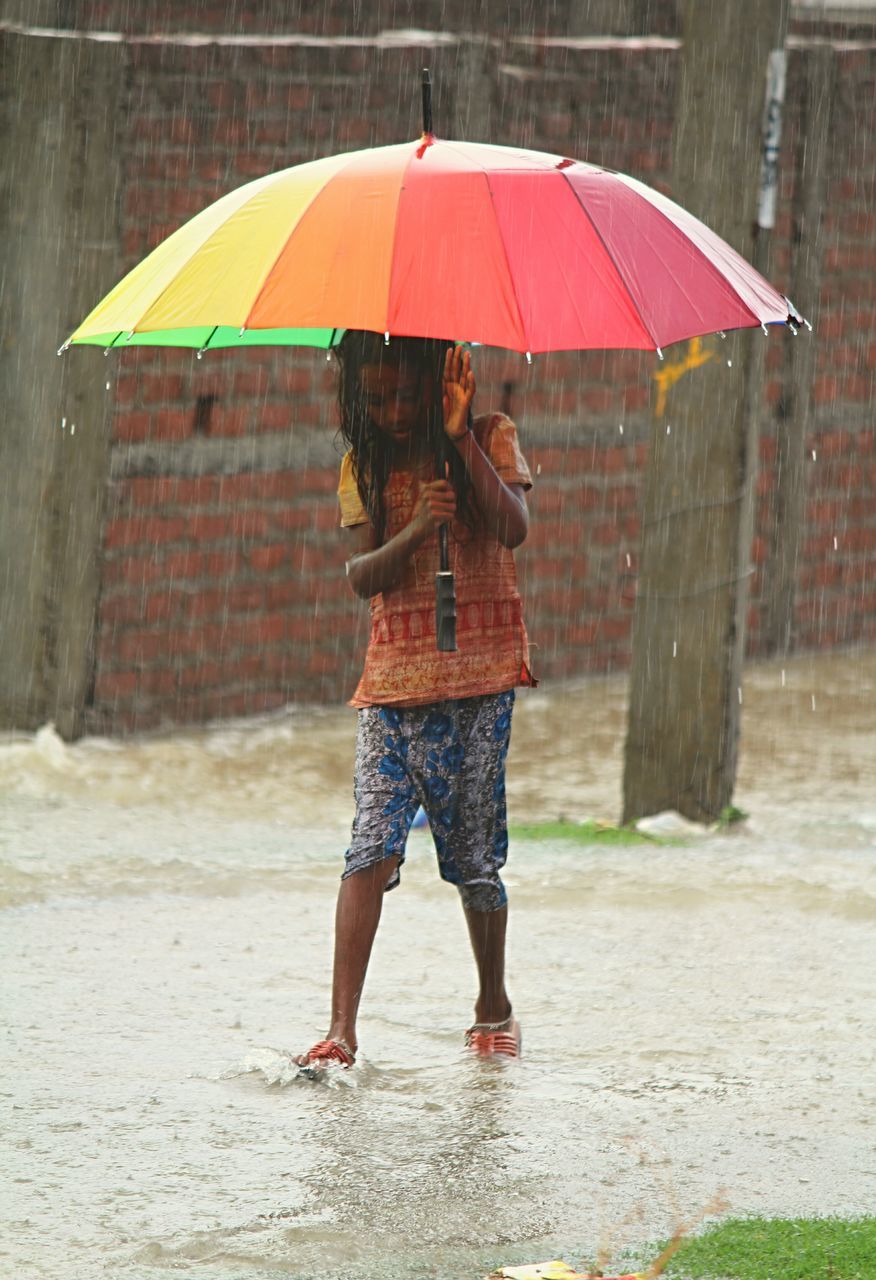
column 435, row 505
column 459, row 389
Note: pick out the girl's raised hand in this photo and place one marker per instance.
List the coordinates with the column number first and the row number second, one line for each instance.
column 459, row 389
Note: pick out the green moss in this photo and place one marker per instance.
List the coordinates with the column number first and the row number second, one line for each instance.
column 588, row 832
column 780, row 1249
column 730, row 815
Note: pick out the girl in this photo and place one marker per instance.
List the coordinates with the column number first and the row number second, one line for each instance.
column 433, row 726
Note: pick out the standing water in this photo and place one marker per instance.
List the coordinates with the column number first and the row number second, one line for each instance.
column 697, row 1017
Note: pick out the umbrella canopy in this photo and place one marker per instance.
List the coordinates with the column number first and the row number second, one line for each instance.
column 510, row 248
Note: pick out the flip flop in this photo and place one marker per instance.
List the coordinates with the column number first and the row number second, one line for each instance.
column 495, row 1039
column 326, row 1053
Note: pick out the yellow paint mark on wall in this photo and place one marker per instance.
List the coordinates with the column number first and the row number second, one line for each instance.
column 667, row 376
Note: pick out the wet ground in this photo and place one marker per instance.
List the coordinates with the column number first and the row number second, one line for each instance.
column 696, row 1017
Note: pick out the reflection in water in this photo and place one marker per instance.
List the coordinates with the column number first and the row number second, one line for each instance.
column 694, row 1016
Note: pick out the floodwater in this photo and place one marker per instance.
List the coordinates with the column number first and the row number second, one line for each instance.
column 697, row 1018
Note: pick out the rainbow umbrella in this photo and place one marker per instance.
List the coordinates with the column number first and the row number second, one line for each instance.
column 432, row 238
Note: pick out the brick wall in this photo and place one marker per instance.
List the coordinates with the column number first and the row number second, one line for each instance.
column 223, row 589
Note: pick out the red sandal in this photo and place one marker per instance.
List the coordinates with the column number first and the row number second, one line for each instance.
column 495, row 1039
column 327, row 1053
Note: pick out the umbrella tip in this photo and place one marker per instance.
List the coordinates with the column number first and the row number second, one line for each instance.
column 427, row 102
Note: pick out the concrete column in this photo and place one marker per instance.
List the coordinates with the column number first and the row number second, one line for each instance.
column 682, row 736
column 60, row 108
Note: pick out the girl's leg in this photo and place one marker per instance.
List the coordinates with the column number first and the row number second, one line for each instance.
column 360, row 902
column 487, row 932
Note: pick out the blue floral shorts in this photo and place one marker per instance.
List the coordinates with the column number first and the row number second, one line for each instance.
column 448, row 757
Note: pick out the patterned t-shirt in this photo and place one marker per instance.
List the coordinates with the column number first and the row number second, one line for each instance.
column 402, row 665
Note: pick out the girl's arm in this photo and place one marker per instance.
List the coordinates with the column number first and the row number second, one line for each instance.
column 502, row 506
column 373, row 569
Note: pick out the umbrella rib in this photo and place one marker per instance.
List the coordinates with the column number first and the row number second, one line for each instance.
column 610, row 256
column 501, row 238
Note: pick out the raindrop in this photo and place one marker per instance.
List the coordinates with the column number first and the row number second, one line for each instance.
column 813, row 455
column 63, row 424
column 783, row 677
column 668, row 430
column 813, row 702
column 72, row 428
column 529, row 357
column 629, row 561
column 729, row 364
column 386, row 338
column 835, row 545
column 538, row 469
column 674, row 648
column 739, row 694
column 620, row 427
column 107, row 385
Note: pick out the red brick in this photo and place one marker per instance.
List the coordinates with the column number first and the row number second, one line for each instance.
column 286, row 592
column 248, row 523
column 134, row 571
column 159, row 606
column 322, row 480
column 207, row 527
column 144, row 529
column 264, row 559
column 299, row 518
column 222, row 564
column 227, row 421
column 112, row 685
column 126, row 389
column 141, row 646
column 161, row 388
column 246, row 597
column 826, row 390
column 251, row 382
column 206, row 603
column 132, row 428
column 273, row 417
column 184, row 563
column 171, row 424
column 295, row 380
column 322, row 663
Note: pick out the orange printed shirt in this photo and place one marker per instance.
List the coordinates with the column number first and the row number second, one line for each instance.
column 402, row 665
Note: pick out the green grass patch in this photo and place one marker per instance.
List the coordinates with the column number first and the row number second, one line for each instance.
column 780, row 1249
column 589, row 832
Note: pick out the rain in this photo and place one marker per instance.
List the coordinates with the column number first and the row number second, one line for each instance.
column 690, row 788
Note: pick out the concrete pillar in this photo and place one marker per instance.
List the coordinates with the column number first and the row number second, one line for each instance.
column 60, row 108
column 682, row 736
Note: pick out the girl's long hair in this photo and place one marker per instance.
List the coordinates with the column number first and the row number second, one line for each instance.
column 371, row 452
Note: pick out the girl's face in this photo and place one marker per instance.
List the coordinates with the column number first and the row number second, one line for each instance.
column 395, row 402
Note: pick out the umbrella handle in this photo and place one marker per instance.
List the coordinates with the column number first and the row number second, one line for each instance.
column 445, row 598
